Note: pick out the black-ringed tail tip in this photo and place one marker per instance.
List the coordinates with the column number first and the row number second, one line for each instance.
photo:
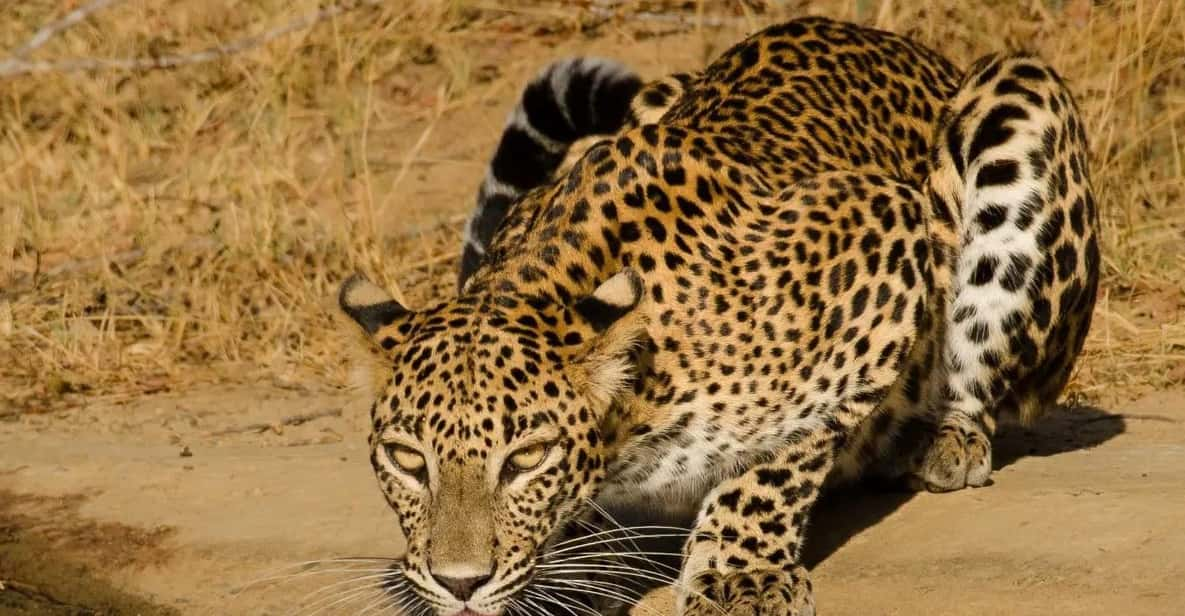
column 568, row 100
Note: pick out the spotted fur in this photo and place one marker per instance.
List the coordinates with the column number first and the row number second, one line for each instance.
column 827, row 255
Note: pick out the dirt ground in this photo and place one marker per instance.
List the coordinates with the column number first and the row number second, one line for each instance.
column 146, row 509
column 164, row 450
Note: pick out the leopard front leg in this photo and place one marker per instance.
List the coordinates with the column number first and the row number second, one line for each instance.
column 742, row 558
column 751, row 593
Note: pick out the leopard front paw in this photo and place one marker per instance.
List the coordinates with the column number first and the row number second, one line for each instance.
column 960, row 456
column 760, row 592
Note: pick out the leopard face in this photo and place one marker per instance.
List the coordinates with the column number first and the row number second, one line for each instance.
column 487, row 434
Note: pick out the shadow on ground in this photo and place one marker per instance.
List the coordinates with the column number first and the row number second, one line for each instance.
column 51, row 560
column 844, row 514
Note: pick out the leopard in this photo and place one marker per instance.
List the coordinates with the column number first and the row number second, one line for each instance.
column 829, row 254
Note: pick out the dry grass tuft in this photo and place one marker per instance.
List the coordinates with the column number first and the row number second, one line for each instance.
column 163, row 228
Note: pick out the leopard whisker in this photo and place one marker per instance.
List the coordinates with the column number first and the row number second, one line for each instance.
column 367, row 593
column 568, row 605
column 621, row 591
column 589, row 544
column 623, row 573
column 387, row 600
column 421, row 610
column 582, row 568
column 628, row 531
column 350, row 590
column 604, row 513
column 350, row 583
column 591, row 558
column 643, row 575
column 530, row 606
column 608, row 590
column 310, row 568
column 602, row 587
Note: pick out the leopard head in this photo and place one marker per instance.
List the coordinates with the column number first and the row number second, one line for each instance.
column 489, row 432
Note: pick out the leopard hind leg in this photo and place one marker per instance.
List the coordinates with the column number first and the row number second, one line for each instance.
column 1011, row 171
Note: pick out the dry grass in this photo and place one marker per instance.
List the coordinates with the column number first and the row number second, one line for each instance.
column 163, row 228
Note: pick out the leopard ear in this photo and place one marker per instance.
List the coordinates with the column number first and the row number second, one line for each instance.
column 609, row 363
column 372, row 308
column 614, row 299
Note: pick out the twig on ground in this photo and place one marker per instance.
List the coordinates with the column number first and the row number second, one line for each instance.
column 17, row 64
column 32, row 592
column 78, row 266
column 53, row 28
column 292, row 420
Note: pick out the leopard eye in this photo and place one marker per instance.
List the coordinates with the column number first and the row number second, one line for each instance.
column 527, row 458
column 408, row 460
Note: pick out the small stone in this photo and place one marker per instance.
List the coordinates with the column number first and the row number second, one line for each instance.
column 185, row 452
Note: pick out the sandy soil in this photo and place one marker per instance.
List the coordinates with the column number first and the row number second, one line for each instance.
column 147, row 508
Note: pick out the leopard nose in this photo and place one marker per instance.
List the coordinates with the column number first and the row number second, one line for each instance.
column 463, row 587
